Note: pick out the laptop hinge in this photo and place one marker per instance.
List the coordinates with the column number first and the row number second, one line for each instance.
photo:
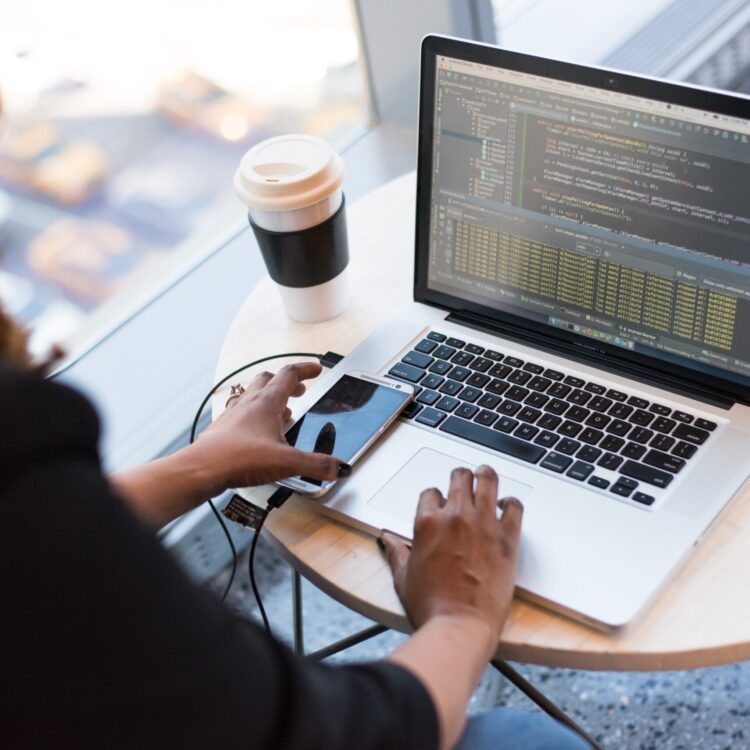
column 631, row 370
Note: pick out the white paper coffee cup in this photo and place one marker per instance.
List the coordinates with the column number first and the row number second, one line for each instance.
column 291, row 186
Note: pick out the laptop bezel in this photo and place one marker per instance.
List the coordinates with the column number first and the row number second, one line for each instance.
column 680, row 94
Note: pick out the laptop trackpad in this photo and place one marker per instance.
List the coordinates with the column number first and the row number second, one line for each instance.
column 428, row 468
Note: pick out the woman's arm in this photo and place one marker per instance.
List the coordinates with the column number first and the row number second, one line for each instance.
column 244, row 447
column 456, row 584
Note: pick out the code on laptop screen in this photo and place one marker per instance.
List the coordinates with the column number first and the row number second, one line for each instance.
column 622, row 219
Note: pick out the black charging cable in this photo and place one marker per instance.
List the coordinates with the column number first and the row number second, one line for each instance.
column 329, row 359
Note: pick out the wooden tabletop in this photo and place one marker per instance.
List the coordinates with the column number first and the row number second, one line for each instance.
column 701, row 619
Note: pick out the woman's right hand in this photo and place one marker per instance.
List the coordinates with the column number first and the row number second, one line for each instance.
column 463, row 559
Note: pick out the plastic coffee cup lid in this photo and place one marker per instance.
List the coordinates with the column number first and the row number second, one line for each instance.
column 288, row 172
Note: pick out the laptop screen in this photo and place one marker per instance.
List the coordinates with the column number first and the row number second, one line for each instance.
column 616, row 217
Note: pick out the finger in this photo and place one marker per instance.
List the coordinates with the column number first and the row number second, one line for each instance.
column 430, row 500
column 397, row 553
column 510, row 521
column 461, row 491
column 287, row 381
column 315, row 465
column 485, row 493
column 259, row 382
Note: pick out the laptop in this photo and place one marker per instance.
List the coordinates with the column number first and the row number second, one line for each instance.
column 580, row 320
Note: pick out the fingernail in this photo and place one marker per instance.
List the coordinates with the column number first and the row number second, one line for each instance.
column 344, row 470
column 381, row 544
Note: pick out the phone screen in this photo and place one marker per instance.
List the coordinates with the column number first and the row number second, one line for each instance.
column 345, row 418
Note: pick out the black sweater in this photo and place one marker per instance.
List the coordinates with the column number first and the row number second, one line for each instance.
column 105, row 643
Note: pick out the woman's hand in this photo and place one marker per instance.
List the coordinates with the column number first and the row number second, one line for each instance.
column 463, row 559
column 245, row 446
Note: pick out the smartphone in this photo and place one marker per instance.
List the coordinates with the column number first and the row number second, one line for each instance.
column 345, row 421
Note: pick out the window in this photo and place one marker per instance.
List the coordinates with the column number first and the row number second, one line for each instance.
column 123, row 124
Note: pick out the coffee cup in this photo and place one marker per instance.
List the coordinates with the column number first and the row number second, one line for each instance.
column 291, row 186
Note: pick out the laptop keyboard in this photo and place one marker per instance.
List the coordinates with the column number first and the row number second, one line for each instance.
column 546, row 417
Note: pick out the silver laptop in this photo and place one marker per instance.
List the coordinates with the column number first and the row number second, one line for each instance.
column 580, row 319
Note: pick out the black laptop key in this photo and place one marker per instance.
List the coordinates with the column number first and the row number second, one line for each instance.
column 470, row 394
column 660, row 409
column 575, row 382
column 440, row 367
column 466, row 410
column 577, row 413
column 639, row 403
column 462, row 358
column 527, row 414
column 684, row 450
column 517, row 393
column 662, row 442
column 431, row 417
column 681, row 416
column 557, row 406
column 600, row 403
column 539, row 384
column 559, row 390
column 691, row 434
column 444, row 352
column 556, row 462
column 407, row 372
column 493, row 355
column 520, row 377
column 641, row 417
column 549, row 422
column 611, row 443
column 546, row 439
column 618, row 427
column 704, row 424
column 447, row 403
column 616, row 395
column 643, row 498
column 663, row 461
column 474, row 349
column 426, row 346
column 411, row 410
column 600, row 421
column 435, row 336
column 509, row 407
column 610, row 461
column 646, row 474
column 568, row 446
column 459, row 373
column 570, row 429
column 588, row 453
column 500, row 371
column 432, row 381
column 481, row 364
column 579, row 397
column 633, row 450
column 423, row 361
column 599, row 390
column 526, row 431
column 513, row 361
column 488, row 401
column 531, row 367
column 580, row 470
column 599, row 482
column 506, row 424
column 450, row 387
column 621, row 489
column 621, row 411
column 456, row 342
column 498, row 387
column 493, row 439
column 663, row 424
column 477, row 380
column 537, row 400
column 553, row 374
column 428, row 397
column 486, row 417
column 640, row 435
column 591, row 436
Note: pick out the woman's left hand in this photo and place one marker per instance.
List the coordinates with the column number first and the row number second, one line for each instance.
column 245, row 446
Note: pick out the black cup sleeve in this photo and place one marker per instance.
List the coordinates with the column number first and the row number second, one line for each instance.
column 308, row 257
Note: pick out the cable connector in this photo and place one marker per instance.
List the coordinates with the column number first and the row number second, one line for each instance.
column 279, row 498
column 330, row 359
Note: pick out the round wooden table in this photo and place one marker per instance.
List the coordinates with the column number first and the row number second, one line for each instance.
column 701, row 619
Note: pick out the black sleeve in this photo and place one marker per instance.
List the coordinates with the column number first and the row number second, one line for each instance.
column 105, row 643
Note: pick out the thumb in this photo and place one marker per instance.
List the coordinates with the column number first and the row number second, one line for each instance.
column 397, row 553
column 314, row 465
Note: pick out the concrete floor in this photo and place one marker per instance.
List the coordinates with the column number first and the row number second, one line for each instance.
column 707, row 708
